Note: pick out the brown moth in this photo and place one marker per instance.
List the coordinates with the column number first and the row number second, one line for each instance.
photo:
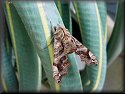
column 64, row 44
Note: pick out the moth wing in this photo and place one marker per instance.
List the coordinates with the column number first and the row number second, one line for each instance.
column 60, row 63
column 68, row 42
column 84, row 53
column 57, row 47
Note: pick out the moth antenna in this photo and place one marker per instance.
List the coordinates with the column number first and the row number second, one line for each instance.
column 52, row 27
column 51, row 24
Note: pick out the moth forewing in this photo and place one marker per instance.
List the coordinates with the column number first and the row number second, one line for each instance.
column 64, row 44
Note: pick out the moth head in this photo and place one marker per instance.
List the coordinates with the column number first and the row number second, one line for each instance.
column 58, row 31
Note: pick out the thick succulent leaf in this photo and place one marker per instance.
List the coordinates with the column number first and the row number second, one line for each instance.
column 9, row 78
column 39, row 17
column 89, row 20
column 116, row 42
column 44, row 79
column 103, row 16
column 30, row 16
column 64, row 10
column 29, row 72
column 2, row 23
column 110, row 25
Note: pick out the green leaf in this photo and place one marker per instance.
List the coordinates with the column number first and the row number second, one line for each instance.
column 103, row 16
column 64, row 10
column 9, row 79
column 89, row 20
column 29, row 71
column 36, row 16
column 116, row 42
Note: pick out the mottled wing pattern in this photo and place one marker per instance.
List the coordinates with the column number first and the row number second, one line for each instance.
column 71, row 44
column 64, row 44
column 60, row 64
column 85, row 54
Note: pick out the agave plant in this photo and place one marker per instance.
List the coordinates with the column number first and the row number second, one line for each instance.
column 27, row 47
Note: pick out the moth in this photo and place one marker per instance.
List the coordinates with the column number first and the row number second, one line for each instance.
column 64, row 44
